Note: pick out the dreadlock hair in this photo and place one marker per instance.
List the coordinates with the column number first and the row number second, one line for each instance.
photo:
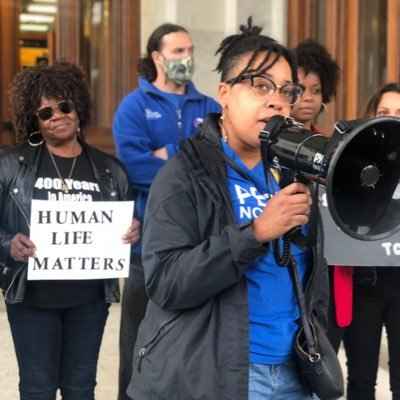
column 62, row 80
column 313, row 57
column 250, row 40
column 373, row 103
column 146, row 66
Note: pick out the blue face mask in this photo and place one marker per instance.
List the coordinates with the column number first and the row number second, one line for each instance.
column 179, row 71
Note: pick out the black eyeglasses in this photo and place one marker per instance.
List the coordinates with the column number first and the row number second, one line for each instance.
column 290, row 92
column 65, row 106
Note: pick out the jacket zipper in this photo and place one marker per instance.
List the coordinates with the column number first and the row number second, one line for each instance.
column 152, row 342
column 180, row 124
column 21, row 210
column 11, row 284
column 315, row 265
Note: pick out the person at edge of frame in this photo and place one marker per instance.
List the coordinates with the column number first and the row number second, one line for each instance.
column 376, row 299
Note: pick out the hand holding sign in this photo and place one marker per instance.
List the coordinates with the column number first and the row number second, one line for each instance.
column 22, row 247
column 133, row 234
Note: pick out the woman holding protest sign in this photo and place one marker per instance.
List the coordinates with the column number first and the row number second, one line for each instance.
column 376, row 299
column 57, row 325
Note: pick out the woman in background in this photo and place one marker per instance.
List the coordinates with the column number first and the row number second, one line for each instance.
column 318, row 72
column 319, row 75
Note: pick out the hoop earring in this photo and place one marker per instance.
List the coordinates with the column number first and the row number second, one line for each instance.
column 224, row 135
column 323, row 108
column 39, row 139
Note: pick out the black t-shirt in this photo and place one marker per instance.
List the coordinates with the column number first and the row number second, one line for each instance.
column 82, row 186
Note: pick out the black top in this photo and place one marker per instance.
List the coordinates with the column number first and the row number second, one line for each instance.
column 81, row 187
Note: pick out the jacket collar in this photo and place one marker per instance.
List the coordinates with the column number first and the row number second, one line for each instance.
column 191, row 92
column 197, row 148
column 210, row 129
column 207, row 154
column 30, row 156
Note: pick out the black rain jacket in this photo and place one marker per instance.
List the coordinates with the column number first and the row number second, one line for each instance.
column 193, row 342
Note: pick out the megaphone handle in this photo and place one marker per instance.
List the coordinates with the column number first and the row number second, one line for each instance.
column 295, row 234
column 300, row 178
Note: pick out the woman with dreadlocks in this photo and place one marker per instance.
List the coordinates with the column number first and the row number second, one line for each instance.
column 222, row 314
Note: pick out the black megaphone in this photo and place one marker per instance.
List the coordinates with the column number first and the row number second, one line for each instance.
column 359, row 165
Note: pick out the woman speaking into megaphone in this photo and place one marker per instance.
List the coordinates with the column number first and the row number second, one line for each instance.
column 222, row 315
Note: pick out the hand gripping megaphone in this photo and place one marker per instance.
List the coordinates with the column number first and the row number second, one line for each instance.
column 359, row 165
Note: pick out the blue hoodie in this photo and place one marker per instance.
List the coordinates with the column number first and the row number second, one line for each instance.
column 148, row 119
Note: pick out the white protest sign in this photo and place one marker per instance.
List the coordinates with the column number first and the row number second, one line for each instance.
column 79, row 239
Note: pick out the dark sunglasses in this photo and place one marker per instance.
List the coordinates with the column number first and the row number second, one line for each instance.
column 65, row 106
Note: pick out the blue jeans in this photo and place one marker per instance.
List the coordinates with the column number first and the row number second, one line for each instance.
column 276, row 382
column 57, row 348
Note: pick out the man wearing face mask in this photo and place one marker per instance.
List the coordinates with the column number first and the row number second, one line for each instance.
column 148, row 126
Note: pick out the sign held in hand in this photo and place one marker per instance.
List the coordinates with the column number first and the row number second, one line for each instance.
column 79, row 240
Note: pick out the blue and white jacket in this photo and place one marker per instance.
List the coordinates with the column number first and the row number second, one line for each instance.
column 147, row 120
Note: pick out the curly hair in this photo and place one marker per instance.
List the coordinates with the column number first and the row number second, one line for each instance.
column 373, row 102
column 146, row 66
column 250, row 40
column 313, row 57
column 61, row 80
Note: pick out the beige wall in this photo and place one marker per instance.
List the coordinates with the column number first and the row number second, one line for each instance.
column 209, row 21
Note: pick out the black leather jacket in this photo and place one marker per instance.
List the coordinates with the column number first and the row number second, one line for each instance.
column 18, row 170
column 193, row 342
